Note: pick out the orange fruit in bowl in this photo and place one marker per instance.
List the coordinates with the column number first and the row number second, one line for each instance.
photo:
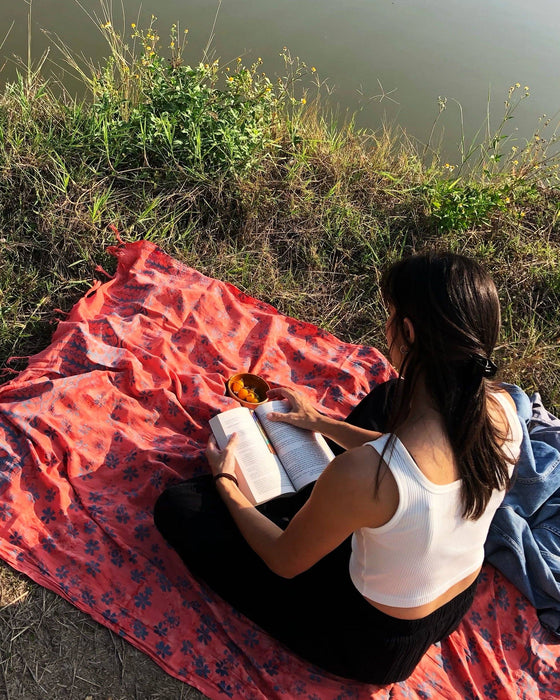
column 249, row 389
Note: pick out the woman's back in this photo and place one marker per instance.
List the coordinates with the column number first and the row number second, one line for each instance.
column 426, row 440
column 425, row 552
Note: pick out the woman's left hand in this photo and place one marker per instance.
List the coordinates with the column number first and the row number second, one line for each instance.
column 221, row 461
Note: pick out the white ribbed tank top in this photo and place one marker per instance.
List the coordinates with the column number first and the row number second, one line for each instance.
column 427, row 546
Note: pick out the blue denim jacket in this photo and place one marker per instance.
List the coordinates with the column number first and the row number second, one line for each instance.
column 524, row 537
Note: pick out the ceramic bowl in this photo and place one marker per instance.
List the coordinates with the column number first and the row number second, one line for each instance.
column 249, row 382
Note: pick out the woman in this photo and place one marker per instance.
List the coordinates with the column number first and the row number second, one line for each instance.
column 380, row 559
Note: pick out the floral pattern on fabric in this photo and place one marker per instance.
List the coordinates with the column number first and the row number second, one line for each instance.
column 117, row 408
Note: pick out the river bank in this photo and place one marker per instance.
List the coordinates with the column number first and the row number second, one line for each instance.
column 250, row 181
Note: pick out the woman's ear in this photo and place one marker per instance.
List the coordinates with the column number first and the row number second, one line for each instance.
column 408, row 330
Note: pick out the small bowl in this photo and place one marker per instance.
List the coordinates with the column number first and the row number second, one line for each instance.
column 250, row 381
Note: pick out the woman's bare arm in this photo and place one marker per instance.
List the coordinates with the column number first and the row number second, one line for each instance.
column 303, row 415
column 340, row 503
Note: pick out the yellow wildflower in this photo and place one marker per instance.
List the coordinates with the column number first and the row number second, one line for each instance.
column 303, row 101
column 133, row 25
column 516, row 162
column 517, row 85
column 313, row 69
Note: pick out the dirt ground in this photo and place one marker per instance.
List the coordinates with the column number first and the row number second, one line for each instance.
column 49, row 650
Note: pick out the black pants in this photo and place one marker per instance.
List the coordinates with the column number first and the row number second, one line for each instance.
column 319, row 614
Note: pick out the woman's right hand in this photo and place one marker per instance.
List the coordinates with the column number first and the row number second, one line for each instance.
column 302, row 414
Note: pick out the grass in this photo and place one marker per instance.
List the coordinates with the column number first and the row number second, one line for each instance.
column 249, row 180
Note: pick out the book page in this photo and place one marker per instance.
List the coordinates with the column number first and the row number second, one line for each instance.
column 304, row 454
column 262, row 470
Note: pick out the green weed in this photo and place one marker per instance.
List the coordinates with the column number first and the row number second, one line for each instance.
column 458, row 206
column 255, row 182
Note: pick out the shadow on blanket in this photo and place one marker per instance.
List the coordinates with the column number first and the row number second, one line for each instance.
column 116, row 409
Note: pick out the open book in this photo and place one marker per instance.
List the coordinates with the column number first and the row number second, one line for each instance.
column 273, row 458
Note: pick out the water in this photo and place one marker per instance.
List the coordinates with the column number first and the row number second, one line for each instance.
column 387, row 60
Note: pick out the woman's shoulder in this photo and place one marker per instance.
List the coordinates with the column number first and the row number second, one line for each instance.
column 503, row 396
column 356, row 471
column 359, row 464
column 503, row 413
column 501, row 407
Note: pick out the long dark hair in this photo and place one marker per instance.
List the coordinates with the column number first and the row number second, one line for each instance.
column 454, row 309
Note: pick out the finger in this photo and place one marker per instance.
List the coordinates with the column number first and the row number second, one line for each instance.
column 229, row 450
column 279, row 417
column 280, row 392
column 212, row 454
column 232, row 442
column 211, row 446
